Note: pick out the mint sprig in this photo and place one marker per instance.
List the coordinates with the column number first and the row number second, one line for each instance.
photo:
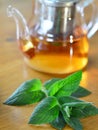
column 59, row 102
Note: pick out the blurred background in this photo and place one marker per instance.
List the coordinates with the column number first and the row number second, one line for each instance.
column 5, row 21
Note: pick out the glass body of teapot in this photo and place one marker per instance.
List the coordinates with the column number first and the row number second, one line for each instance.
column 56, row 41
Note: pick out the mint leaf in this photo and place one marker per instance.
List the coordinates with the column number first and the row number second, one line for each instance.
column 81, row 92
column 78, row 113
column 69, row 104
column 45, row 112
column 68, row 99
column 59, row 123
column 29, row 92
column 80, row 105
column 72, row 122
column 50, row 82
column 66, row 86
column 88, row 110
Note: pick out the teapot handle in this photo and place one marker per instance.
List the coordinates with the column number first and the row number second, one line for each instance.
column 92, row 25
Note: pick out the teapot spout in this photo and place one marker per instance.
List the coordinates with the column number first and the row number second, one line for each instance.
column 22, row 29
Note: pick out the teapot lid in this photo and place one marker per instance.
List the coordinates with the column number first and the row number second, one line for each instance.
column 59, row 3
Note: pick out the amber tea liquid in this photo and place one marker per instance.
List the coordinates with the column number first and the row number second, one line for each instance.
column 57, row 57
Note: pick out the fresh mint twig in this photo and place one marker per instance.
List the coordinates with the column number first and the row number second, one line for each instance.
column 60, row 104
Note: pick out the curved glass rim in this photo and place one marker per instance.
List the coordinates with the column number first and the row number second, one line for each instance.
column 59, row 3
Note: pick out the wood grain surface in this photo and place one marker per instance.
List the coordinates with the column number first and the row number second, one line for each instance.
column 13, row 71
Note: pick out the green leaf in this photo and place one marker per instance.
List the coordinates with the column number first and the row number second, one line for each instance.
column 66, row 86
column 77, row 104
column 59, row 123
column 50, row 82
column 45, row 112
column 89, row 110
column 68, row 99
column 70, row 103
column 81, row 92
column 72, row 122
column 78, row 113
column 29, row 92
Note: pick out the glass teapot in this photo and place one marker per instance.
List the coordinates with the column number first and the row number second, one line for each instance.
column 56, row 41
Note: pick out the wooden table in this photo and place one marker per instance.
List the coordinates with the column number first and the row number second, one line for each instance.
column 13, row 72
